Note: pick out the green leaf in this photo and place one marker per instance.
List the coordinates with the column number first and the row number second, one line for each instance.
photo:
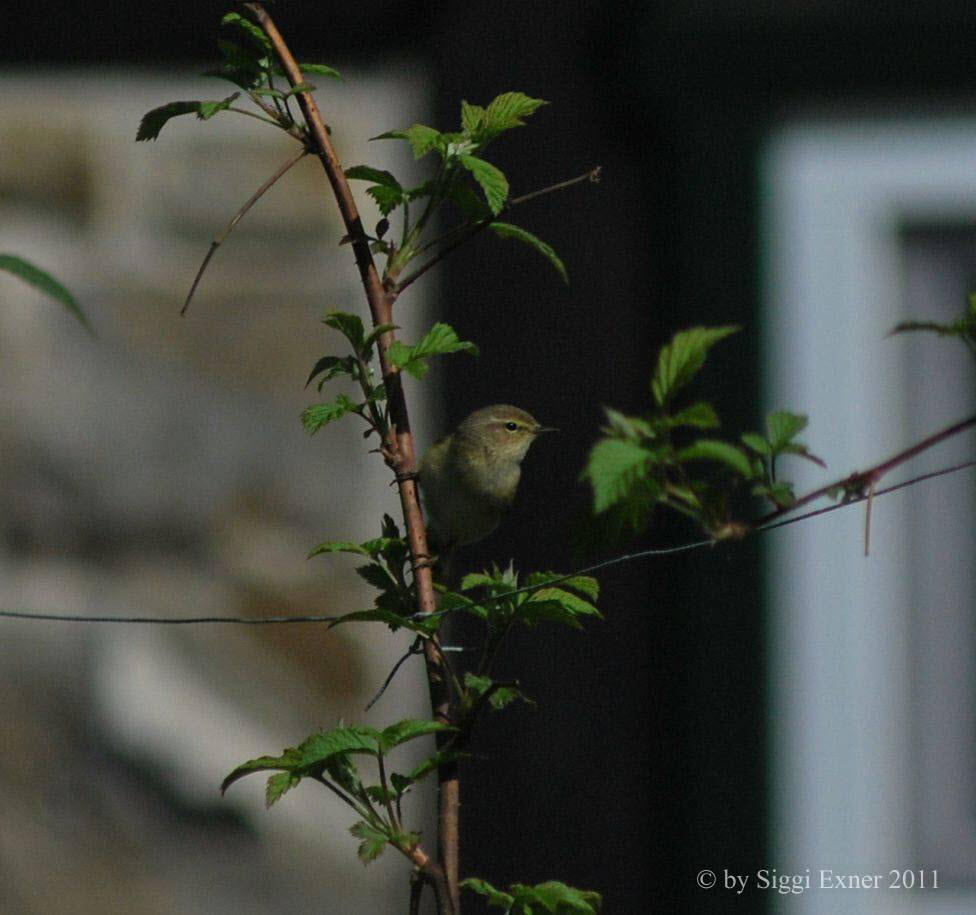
column 338, row 546
column 339, row 741
column 679, row 361
column 206, row 110
column 153, row 121
column 472, row 117
column 433, row 763
column 409, row 729
column 255, row 33
column 612, row 468
column 422, row 139
column 713, row 450
column 699, row 415
column 321, row 414
column 374, row 574
column 278, row 784
column 349, row 325
column 43, row 281
column 469, row 203
column 507, row 230
column 330, row 367
column 757, row 443
column 782, row 427
column 556, row 897
column 496, row 898
column 492, row 181
column 479, row 685
column 634, row 428
column 375, row 334
column 506, row 111
column 373, row 841
column 320, row 70
column 386, row 190
column 381, row 615
column 440, row 339
column 570, row 602
column 376, row 175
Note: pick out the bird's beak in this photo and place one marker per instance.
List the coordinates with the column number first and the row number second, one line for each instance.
column 542, row 429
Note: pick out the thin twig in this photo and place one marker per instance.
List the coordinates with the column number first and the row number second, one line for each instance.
column 467, row 231
column 415, row 648
column 253, row 199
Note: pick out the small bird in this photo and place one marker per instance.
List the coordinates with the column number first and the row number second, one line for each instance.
column 468, row 479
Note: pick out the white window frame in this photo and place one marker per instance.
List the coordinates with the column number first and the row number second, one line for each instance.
column 857, row 669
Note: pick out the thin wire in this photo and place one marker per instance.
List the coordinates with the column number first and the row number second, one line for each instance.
column 616, row 560
column 165, row 620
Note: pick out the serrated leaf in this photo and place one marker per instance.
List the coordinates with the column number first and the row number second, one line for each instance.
column 332, row 366
column 469, row 203
column 699, row 415
column 387, row 198
column 680, row 360
column 556, row 897
column 409, row 729
column 472, row 116
column 377, row 576
column 373, row 841
column 781, row 494
column 206, row 110
column 422, row 139
column 320, row 70
column 249, row 59
column 439, row 340
column 492, row 181
column 575, row 605
column 254, row 32
column 339, row 741
column 321, row 414
column 400, row 783
column 714, row 450
column 506, row 111
column 507, row 230
column 338, row 546
column 585, row 584
column 496, row 898
column 382, row 615
column 782, row 427
column 42, row 281
column 376, row 175
column 349, row 325
column 153, row 121
column 278, row 784
column 612, row 468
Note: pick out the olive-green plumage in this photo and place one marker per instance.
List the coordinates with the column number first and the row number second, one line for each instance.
column 468, row 478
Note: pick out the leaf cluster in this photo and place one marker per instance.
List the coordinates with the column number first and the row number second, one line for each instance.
column 360, row 368
column 549, row 897
column 248, row 62
column 670, row 457
column 328, row 757
column 464, row 181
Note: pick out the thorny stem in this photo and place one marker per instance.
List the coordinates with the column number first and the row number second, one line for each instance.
column 398, row 452
column 858, row 482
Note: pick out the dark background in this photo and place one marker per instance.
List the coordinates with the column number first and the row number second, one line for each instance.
column 647, row 759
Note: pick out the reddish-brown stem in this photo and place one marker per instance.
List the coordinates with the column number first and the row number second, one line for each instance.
column 860, row 481
column 398, row 449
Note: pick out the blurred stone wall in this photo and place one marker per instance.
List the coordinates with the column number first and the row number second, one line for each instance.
column 159, row 469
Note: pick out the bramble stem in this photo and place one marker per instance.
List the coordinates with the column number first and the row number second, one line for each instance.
column 398, row 450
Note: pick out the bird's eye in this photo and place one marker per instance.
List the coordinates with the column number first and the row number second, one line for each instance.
column 511, row 426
